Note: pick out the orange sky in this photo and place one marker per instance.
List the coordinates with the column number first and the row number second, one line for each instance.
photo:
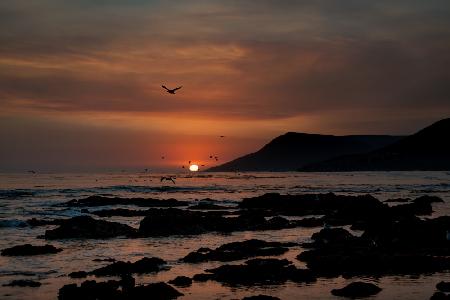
column 80, row 81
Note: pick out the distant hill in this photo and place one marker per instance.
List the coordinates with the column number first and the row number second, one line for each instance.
column 428, row 149
column 292, row 150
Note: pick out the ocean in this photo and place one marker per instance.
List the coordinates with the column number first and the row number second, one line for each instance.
column 25, row 196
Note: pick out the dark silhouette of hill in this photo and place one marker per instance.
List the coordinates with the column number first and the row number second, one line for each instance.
column 427, row 150
column 292, row 150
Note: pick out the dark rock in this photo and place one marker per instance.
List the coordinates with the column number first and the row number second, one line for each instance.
column 43, row 222
column 181, row 281
column 443, row 286
column 79, row 274
column 238, row 250
column 208, row 206
column 144, row 265
column 440, row 296
column 356, row 290
column 202, row 277
column 105, row 259
column 310, row 222
column 109, row 291
column 27, row 249
column 408, row 246
column 165, row 222
column 426, row 199
column 260, row 297
column 87, row 227
column 258, row 271
column 93, row 201
column 398, row 200
column 24, row 283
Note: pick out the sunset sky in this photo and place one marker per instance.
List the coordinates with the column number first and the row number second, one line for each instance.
column 80, row 81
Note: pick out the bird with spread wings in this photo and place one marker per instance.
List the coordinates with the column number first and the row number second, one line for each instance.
column 171, row 91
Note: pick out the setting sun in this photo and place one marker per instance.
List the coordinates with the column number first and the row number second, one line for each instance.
column 193, row 168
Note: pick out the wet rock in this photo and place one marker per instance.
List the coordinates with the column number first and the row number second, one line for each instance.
column 144, row 265
column 122, row 212
column 28, row 249
column 87, row 227
column 397, row 200
column 24, row 283
column 356, row 290
column 33, row 222
column 443, row 286
column 315, row 204
column 109, row 259
column 93, row 201
column 333, row 236
column 238, row 250
column 258, row 271
column 440, row 296
column 310, row 222
column 181, row 281
column 166, row 222
column 110, row 291
column 260, row 297
column 208, row 206
column 79, row 274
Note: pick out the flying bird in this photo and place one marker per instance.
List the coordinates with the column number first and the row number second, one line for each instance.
column 171, row 91
column 168, row 178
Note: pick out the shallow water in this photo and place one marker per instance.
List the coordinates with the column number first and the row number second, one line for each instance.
column 23, row 196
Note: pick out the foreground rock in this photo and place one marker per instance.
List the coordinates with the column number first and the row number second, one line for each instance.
column 28, row 249
column 87, row 227
column 24, row 283
column 43, row 222
column 356, row 290
column 110, row 291
column 443, row 286
column 257, row 271
column 403, row 247
column 440, row 296
column 181, row 281
column 172, row 221
column 93, row 201
column 238, row 250
column 144, row 265
column 338, row 209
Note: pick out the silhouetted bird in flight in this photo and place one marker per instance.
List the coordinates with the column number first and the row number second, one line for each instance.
column 171, row 91
column 32, row 172
column 168, row 178
column 162, row 157
column 222, row 136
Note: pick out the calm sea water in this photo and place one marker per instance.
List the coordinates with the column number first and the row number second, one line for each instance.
column 23, row 196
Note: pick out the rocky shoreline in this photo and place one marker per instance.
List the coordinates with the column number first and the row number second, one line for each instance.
column 397, row 239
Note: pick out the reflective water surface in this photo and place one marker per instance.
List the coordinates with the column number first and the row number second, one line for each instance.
column 23, row 196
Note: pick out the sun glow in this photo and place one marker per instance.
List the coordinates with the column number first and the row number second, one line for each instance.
column 193, row 168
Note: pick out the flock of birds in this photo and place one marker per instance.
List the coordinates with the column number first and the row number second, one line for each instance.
column 167, row 178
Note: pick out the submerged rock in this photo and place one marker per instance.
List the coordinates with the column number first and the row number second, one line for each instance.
column 144, row 265
column 181, row 281
column 24, row 283
column 33, row 222
column 356, row 290
column 28, row 249
column 166, row 222
column 443, row 286
column 238, row 250
column 440, row 296
column 258, row 271
column 93, row 201
column 110, row 291
column 87, row 227
column 386, row 247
